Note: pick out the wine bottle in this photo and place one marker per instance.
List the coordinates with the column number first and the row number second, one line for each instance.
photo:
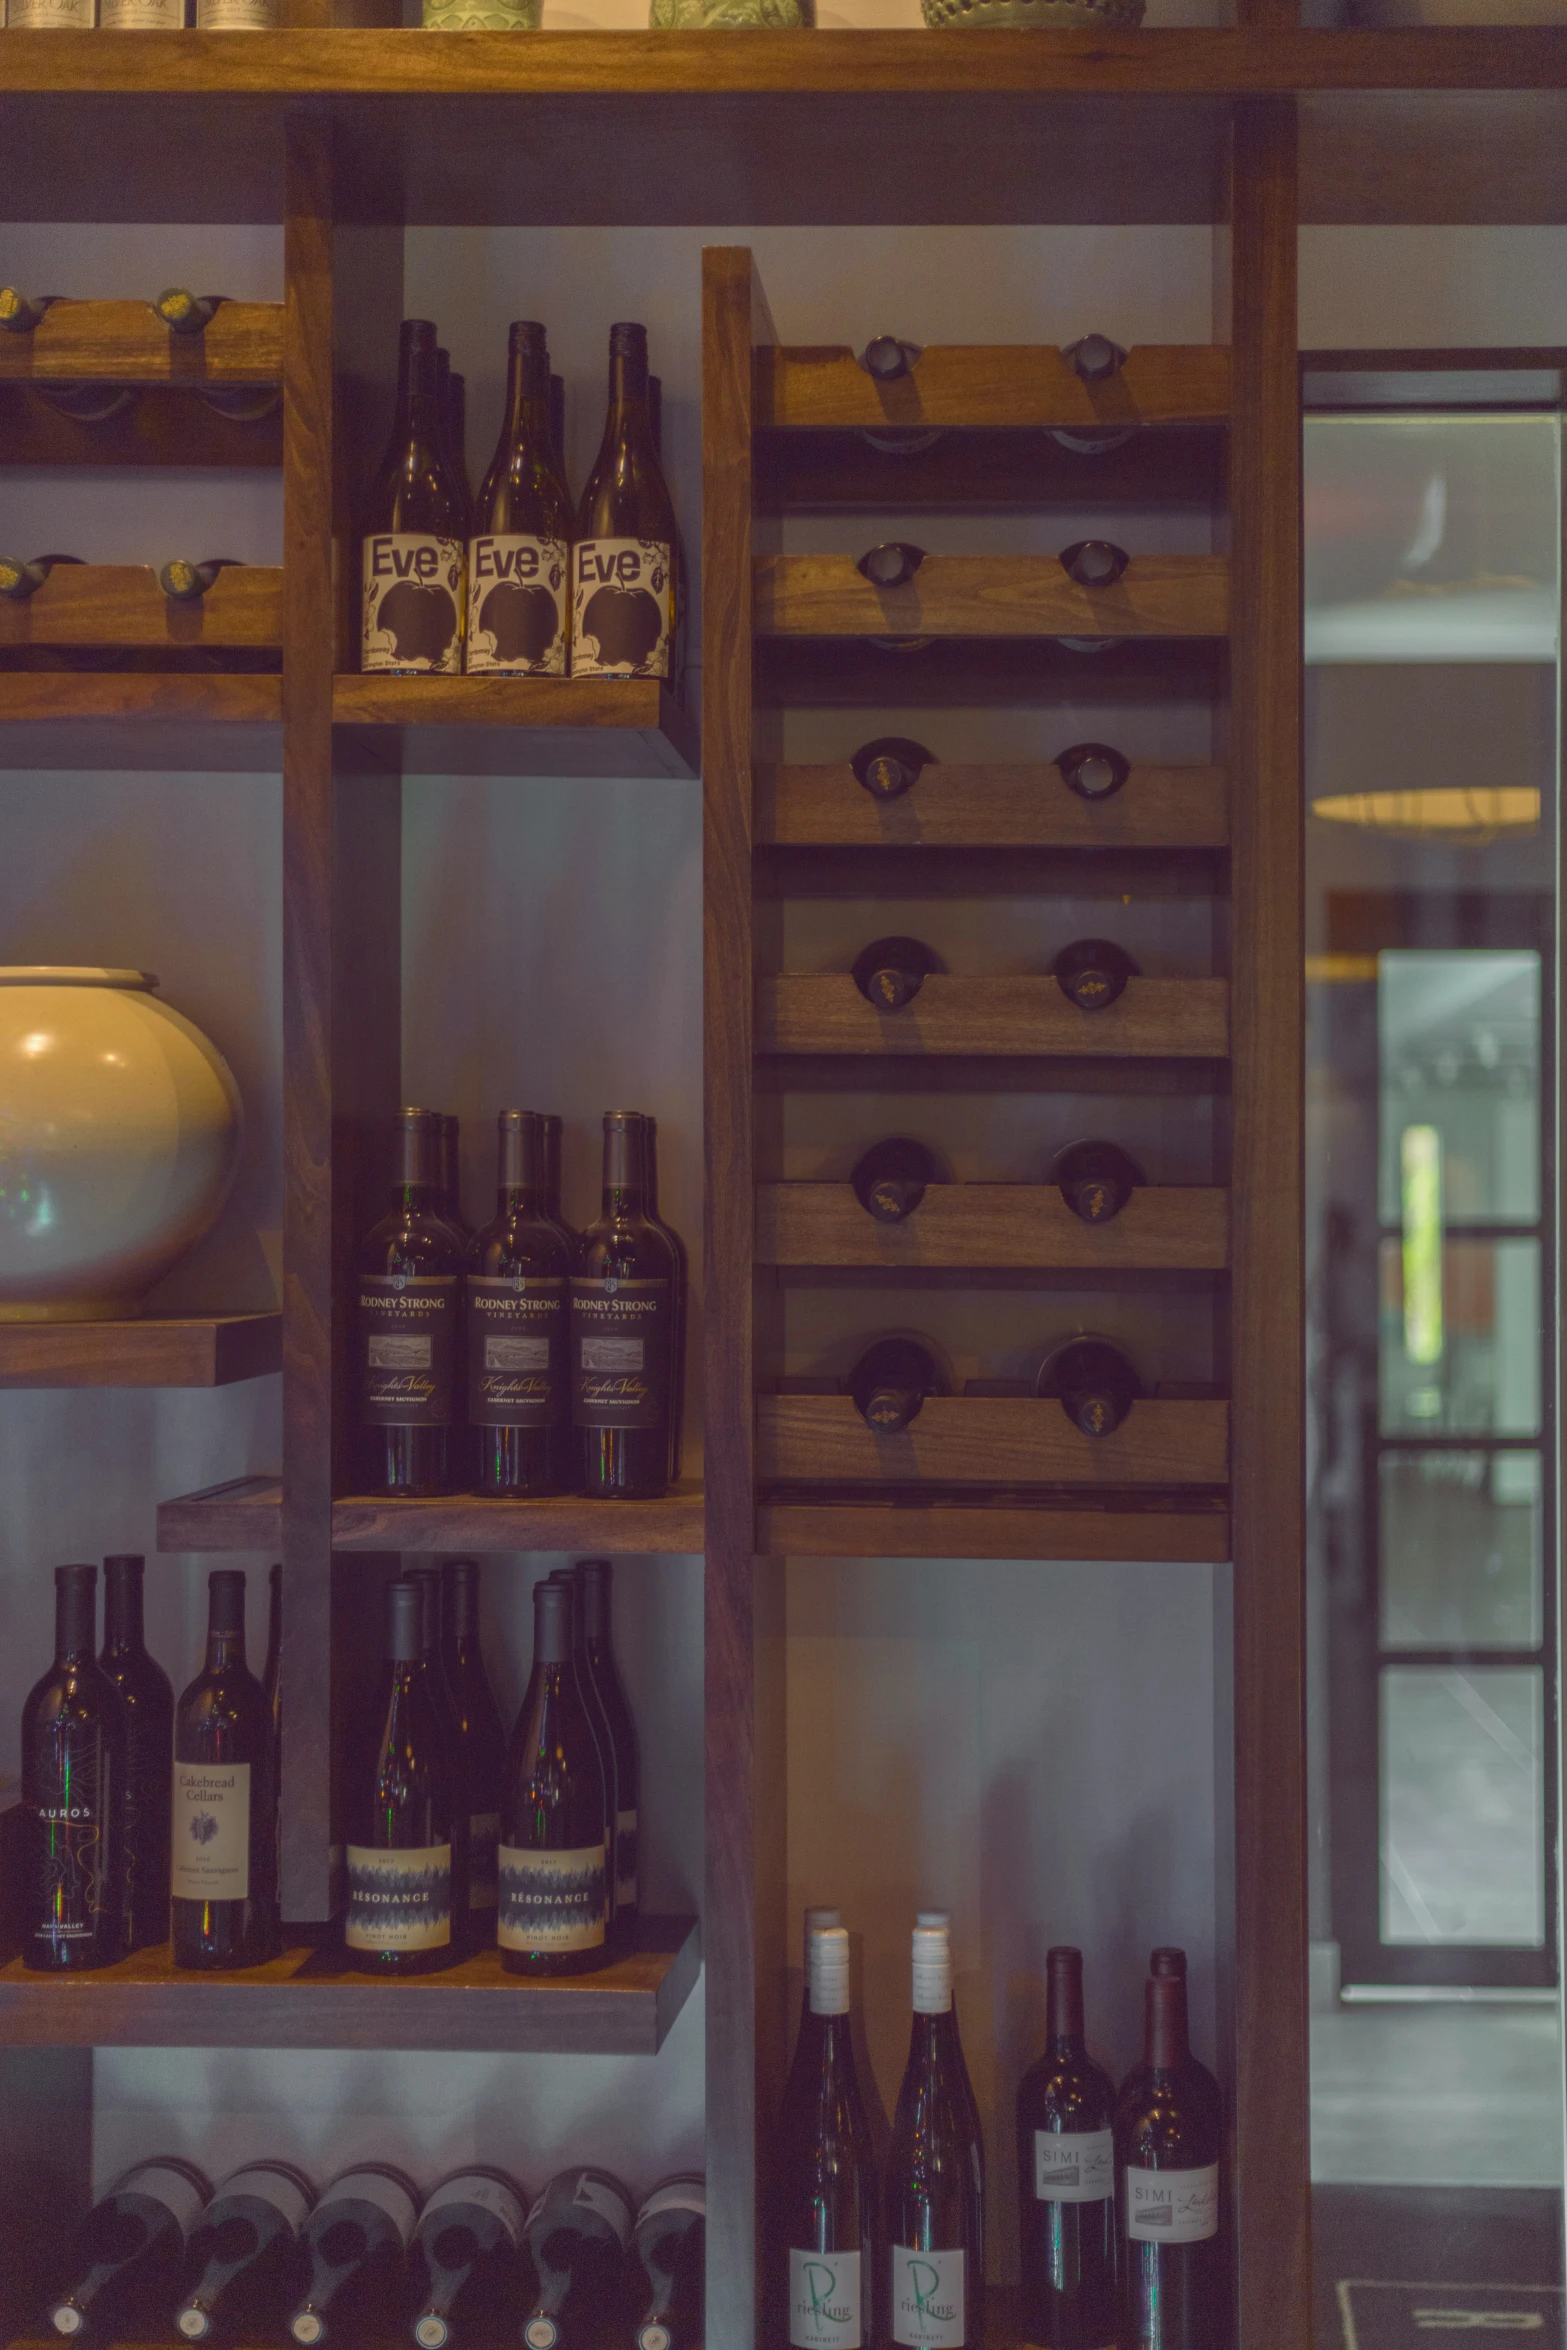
column 18, row 315
column 148, row 1698
column 272, row 1683
column 519, row 555
column 890, row 1178
column 184, row 582
column 224, row 1872
column 1169, row 2123
column 409, row 1293
column 890, row 972
column 935, row 2198
column 519, row 1393
column 558, row 423
column 889, row 766
column 21, row 580
column 891, row 565
column 554, row 1888
column 1094, row 357
column 127, row 2253
column 451, row 406
column 577, row 2233
column 1094, row 563
column 49, row 16
column 595, row 1582
column 414, row 532
column 941, row 1919
column 1094, row 1381
column 1093, row 770
column 825, row 2194
column 357, row 2240
column 891, row 1380
column 465, row 2259
column 554, row 1129
column 1096, row 1179
column 622, row 1330
column 74, row 1766
column 401, row 1810
column 247, row 2258
column 682, row 1267
column 625, row 568
column 603, row 1739
column 670, row 2238
column 1166, row 1961
column 1066, row 2177
column 451, row 1174
column 236, row 16
column 433, row 1650
column 183, row 313
column 1093, row 972
column 482, row 1739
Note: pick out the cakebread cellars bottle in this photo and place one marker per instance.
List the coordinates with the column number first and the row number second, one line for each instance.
column 626, row 563
column 409, row 1302
column 554, row 1885
column 415, row 526
column 73, row 1769
column 519, row 1386
column 519, row 554
column 825, row 2191
column 1066, row 2177
column 934, row 2207
column 224, row 1845
column 1169, row 2123
column 622, row 1331
column 148, row 1700
column 401, row 1811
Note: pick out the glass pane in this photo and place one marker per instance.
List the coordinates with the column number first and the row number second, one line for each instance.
column 1459, row 1557
column 1459, row 1059
column 1460, row 1340
column 1461, row 1850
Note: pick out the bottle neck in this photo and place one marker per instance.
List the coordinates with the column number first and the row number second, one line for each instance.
column 1064, row 2008
column 74, row 1610
column 124, row 1625
column 1167, row 2045
column 528, row 402
column 521, row 1199
column 624, row 1190
column 225, row 1649
column 630, row 419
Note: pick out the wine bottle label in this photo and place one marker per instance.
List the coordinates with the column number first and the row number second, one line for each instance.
column 1074, row 2166
column 824, row 2301
column 491, row 2195
column 552, row 1900
column 625, row 1857
column 399, row 1900
column 623, row 612
column 620, row 1332
column 180, row 2196
column 679, row 2195
column 1172, row 2206
column 604, row 2197
column 275, row 2187
column 49, row 16
column 413, row 600
column 518, row 590
column 74, row 1885
column 517, row 1371
column 211, row 1841
column 387, row 2195
column 236, row 16
column 484, row 1835
column 138, row 16
column 927, row 2298
column 408, row 1328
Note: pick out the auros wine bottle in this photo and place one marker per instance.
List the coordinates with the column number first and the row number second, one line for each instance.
column 1066, row 2177
column 401, row 1803
column 224, row 1857
column 128, row 2251
column 891, row 1380
column 73, row 1774
column 626, row 566
column 357, row 2240
column 934, row 2207
column 409, row 1295
column 481, row 1739
column 670, row 2238
column 1169, row 2125
column 519, row 556
column 825, row 2191
column 622, row 1331
column 466, row 2251
column 415, row 526
column 519, row 1376
column 148, row 1698
column 554, row 1890
column 577, row 2233
column 595, row 1582
column 247, row 2260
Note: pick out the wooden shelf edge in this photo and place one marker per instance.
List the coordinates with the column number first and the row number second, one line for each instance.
column 967, row 1227
column 547, row 707
column 56, row 696
column 214, row 1350
column 870, row 1529
column 670, row 1527
column 245, row 1513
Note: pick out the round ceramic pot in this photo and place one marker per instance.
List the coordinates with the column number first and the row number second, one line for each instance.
column 119, row 1134
column 1050, row 16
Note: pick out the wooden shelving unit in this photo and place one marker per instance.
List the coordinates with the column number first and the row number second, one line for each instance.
column 525, row 725
column 247, row 1514
column 186, row 1350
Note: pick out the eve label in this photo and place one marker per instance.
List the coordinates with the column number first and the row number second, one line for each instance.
column 824, row 2301
column 413, row 604
column 623, row 618
column 211, row 1842
column 1074, row 2166
column 1172, row 2206
column 518, row 606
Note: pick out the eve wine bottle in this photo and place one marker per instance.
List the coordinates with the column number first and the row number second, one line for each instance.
column 598, row 1658
column 824, row 2195
column 481, row 1739
column 1066, row 2177
column 247, row 2261
column 577, row 2235
column 409, row 1304
column 465, row 2258
column 670, row 2240
column 934, row 2206
column 622, row 1331
column 891, row 1380
column 519, row 1386
column 519, row 552
column 451, row 406
column 889, row 1179
column 357, row 2241
column 73, row 1814
column 554, row 1889
column 224, row 1873
column 625, row 606
column 1096, row 1384
column 401, row 1811
column 1169, row 2123
column 415, row 525
column 148, row 1699
column 127, row 2254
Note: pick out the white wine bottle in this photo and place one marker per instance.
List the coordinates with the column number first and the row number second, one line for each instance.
column 415, row 526
column 519, row 552
column 934, row 2205
column 247, row 2257
column 626, row 605
column 823, row 2274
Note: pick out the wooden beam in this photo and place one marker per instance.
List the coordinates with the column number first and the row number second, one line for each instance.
column 1000, row 386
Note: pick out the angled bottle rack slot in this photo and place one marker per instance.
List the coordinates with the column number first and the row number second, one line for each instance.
column 124, row 342
column 991, row 596
column 824, row 1012
column 993, row 1224
column 992, row 807
column 990, row 1440
column 999, row 1526
column 121, row 604
column 994, row 386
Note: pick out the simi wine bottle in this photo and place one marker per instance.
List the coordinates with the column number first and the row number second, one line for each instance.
column 128, row 2252
column 577, row 2233
column 519, row 555
column 247, row 2263
column 934, row 2208
column 400, row 1859
column 409, row 1304
column 519, row 1378
column 73, row 1772
column 466, row 2253
column 224, row 1873
column 1066, row 2177
column 595, row 1581
column 554, row 1890
column 622, row 1331
column 357, row 2241
column 1169, row 2123
column 412, row 582
column 825, row 2192
column 481, row 1739
column 671, row 2242
column 626, row 568
column 148, row 1698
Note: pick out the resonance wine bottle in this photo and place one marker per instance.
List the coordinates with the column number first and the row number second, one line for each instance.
column 1093, row 972
column 1066, row 2177
column 554, row 1891
column 890, row 972
column 357, row 2241
column 519, row 554
column 622, row 1331
column 482, row 1740
column 412, row 579
column 594, row 1581
column 577, row 2234
column 603, row 1738
column 128, row 2252
column 682, row 1269
column 890, row 1178
column 465, row 2259
column 433, row 1648
column 1169, row 2125
column 1096, row 1179
column 248, row 2259
column 73, row 1771
column 891, row 1380
column 824, row 2198
column 224, row 1874
column 934, row 2208
column 148, row 1698
column 1094, row 1381
column 409, row 1306
column 519, row 1385
column 670, row 2239
column 400, row 1811
column 626, row 588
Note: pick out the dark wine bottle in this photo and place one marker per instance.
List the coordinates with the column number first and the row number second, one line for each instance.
column 1093, row 972
column 1093, row 770
column 357, row 2241
column 74, row 1768
column 1066, row 2177
column 891, row 1380
column 437, row 1681
column 890, row 1178
column 554, row 1888
column 519, row 554
column 401, row 1810
column 482, row 1739
column 1094, row 563
column 577, row 2233
column 554, row 1130
column 1096, row 1179
column 622, row 1331
column 246, row 2263
column 626, row 599
column 148, row 1698
column 127, row 2254
column 183, row 313
column 1169, row 2125
column 272, row 1683
column 519, row 1389
column 18, row 315
column 824, row 2198
column 934, row 2208
column 451, row 405
column 465, row 2259
column 603, row 1739
column 1095, row 1382
column 558, row 423
column 889, row 766
column 595, row 1582
column 1167, row 1961
column 451, row 1174
column 670, row 2238
column 409, row 1293
column 1094, row 357
column 890, row 972
column 415, row 528
column 224, row 1873
column 681, row 1263
column 185, row 582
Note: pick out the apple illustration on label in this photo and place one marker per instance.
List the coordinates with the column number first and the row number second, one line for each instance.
column 421, row 621
column 524, row 621
column 628, row 624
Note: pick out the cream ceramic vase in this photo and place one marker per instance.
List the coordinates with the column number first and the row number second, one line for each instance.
column 120, row 1130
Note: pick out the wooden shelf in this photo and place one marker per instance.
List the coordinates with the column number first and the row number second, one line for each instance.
column 526, row 725
column 155, row 1351
column 125, row 343
column 309, row 1999
column 162, row 426
column 992, row 597
column 989, row 1440
column 247, row 1514
column 993, row 1224
column 824, row 1012
column 1005, row 385
column 122, row 604
column 196, row 721
column 1003, row 1527
column 992, row 807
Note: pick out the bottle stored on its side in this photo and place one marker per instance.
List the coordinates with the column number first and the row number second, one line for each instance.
column 824, row 2196
column 224, row 1872
column 677, row 1250
column 409, row 1306
column 577, row 2233
column 1169, row 2126
column 401, row 1811
column 519, row 554
column 554, row 1890
column 415, row 526
column 603, row 1738
column 890, row 972
column 626, row 599
column 465, row 2259
column 357, row 2241
column 74, row 1770
column 934, row 2206
column 247, row 2262
column 595, row 1582
column 148, row 1699
column 1066, row 2177
column 519, row 1373
column 1096, row 1179
column 670, row 2238
column 126, row 2256
column 1093, row 972
column 622, row 1331
column 890, row 1178
column 481, row 1736
column 891, row 1380
column 1096, row 1384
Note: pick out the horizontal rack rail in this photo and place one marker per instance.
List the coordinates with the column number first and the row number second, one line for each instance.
column 1109, row 1527
column 121, row 604
column 824, row 1012
column 992, row 807
column 126, row 343
column 995, row 385
column 990, row 1440
column 991, row 596
column 247, row 1514
column 993, row 1224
